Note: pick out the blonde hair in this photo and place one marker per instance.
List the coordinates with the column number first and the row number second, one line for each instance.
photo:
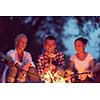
column 18, row 37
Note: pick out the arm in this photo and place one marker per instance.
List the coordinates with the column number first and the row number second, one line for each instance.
column 91, row 63
column 61, row 62
column 40, row 65
column 28, row 62
column 71, row 65
column 92, row 67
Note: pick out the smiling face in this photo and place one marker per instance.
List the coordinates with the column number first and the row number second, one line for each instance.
column 79, row 46
column 50, row 45
column 21, row 43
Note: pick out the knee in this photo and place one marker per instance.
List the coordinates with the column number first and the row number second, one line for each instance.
column 11, row 74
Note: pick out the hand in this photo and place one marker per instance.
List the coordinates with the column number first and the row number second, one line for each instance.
column 11, row 63
column 52, row 67
column 26, row 67
column 90, row 75
column 51, row 55
column 68, row 72
column 84, row 76
column 49, row 68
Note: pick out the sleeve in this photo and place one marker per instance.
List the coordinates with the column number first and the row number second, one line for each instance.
column 72, row 58
column 40, row 65
column 90, row 57
column 61, row 61
column 11, row 54
column 29, row 59
column 3, row 77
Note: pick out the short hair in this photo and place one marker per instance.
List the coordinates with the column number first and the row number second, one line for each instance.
column 83, row 40
column 20, row 36
column 50, row 38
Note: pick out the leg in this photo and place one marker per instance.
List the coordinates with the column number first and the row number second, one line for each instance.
column 33, row 75
column 11, row 75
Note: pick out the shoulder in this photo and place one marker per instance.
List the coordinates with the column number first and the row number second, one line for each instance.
column 42, row 56
column 90, row 56
column 72, row 57
column 59, row 52
column 10, row 52
column 26, row 53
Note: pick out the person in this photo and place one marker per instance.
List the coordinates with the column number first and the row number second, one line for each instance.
column 82, row 62
column 21, row 62
column 50, row 60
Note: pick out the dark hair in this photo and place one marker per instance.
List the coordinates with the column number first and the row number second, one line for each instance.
column 83, row 40
column 50, row 38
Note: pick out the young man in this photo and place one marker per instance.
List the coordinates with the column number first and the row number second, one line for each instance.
column 50, row 60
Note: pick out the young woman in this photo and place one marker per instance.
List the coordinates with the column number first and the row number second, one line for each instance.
column 82, row 61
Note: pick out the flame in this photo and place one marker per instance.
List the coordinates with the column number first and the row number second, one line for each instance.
column 49, row 77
